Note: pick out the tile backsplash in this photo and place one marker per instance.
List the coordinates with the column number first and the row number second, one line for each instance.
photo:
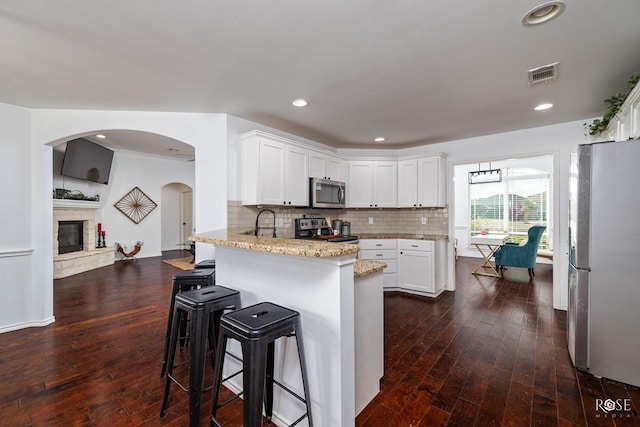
column 399, row 221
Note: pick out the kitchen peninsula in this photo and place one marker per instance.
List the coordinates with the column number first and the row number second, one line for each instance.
column 341, row 306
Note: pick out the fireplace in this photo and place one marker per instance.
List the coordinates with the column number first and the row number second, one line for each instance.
column 70, row 236
column 74, row 238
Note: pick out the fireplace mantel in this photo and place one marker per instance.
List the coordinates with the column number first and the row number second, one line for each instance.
column 76, row 204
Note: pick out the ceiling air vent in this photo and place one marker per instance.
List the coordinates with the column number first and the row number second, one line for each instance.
column 543, row 74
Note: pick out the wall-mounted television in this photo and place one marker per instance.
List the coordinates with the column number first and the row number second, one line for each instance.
column 87, row 160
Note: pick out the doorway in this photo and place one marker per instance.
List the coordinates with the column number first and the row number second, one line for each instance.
column 186, row 215
column 177, row 216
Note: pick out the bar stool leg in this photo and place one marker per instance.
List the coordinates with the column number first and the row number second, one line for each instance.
column 253, row 381
column 198, row 330
column 168, row 334
column 303, row 371
column 173, row 342
column 217, row 375
column 268, row 399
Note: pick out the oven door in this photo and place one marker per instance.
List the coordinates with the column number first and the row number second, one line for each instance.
column 326, row 193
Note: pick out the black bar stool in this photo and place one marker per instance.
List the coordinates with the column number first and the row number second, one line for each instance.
column 184, row 281
column 207, row 263
column 204, row 306
column 257, row 327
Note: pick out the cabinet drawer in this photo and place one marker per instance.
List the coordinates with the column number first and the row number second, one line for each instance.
column 416, row 245
column 382, row 254
column 377, row 243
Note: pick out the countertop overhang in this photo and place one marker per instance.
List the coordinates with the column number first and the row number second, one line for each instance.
column 238, row 238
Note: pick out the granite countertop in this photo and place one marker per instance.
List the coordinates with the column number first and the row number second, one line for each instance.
column 402, row 236
column 363, row 267
column 243, row 239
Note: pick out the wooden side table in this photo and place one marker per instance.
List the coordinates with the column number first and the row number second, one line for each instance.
column 487, row 244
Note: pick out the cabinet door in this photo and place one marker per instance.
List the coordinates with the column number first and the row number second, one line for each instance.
column 385, row 184
column 326, row 166
column 407, row 183
column 317, row 165
column 360, row 185
column 416, row 271
column 271, row 164
column 431, row 182
column 297, row 177
column 334, row 168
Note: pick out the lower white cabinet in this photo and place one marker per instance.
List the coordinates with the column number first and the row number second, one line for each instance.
column 421, row 266
column 382, row 250
column 414, row 266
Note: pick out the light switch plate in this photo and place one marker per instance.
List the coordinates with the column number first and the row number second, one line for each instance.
column 370, row 220
column 424, row 220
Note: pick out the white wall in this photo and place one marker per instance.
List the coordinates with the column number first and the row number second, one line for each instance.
column 149, row 174
column 21, row 300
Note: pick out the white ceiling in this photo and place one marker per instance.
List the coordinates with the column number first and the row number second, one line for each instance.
column 415, row 72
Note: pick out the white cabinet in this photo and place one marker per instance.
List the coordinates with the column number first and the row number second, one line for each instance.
column 274, row 172
column 421, row 266
column 326, row 166
column 372, row 184
column 382, row 250
column 416, row 266
column 422, row 182
column 626, row 123
column 296, row 183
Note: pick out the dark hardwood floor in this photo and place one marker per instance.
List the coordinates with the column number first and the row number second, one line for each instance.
column 491, row 353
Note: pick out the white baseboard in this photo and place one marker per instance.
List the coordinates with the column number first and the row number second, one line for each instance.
column 31, row 324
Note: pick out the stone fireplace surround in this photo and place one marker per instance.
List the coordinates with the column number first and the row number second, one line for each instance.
column 88, row 259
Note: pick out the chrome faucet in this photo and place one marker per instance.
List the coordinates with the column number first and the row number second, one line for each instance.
column 255, row 232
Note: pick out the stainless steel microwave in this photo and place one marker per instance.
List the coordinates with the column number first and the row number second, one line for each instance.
column 326, row 193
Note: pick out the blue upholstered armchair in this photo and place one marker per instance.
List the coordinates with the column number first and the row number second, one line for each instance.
column 514, row 255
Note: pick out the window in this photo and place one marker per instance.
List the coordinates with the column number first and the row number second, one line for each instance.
column 513, row 205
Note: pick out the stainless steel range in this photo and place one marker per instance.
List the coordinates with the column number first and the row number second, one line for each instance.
column 315, row 227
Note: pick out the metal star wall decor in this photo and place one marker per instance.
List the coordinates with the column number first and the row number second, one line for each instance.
column 135, row 205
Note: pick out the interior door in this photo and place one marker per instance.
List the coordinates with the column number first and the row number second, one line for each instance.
column 186, row 216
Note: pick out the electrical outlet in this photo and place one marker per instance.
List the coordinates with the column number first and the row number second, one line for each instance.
column 423, row 220
column 370, row 220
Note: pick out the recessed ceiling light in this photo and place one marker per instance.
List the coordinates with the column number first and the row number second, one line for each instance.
column 379, row 139
column 543, row 13
column 101, row 136
column 543, row 107
column 299, row 102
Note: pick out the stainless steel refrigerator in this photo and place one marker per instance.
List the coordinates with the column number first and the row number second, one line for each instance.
column 603, row 318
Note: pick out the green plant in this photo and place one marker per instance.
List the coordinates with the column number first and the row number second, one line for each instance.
column 77, row 195
column 612, row 106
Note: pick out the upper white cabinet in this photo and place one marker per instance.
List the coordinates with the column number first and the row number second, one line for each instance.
column 626, row 123
column 326, row 166
column 274, row 172
column 422, row 182
column 372, row 184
